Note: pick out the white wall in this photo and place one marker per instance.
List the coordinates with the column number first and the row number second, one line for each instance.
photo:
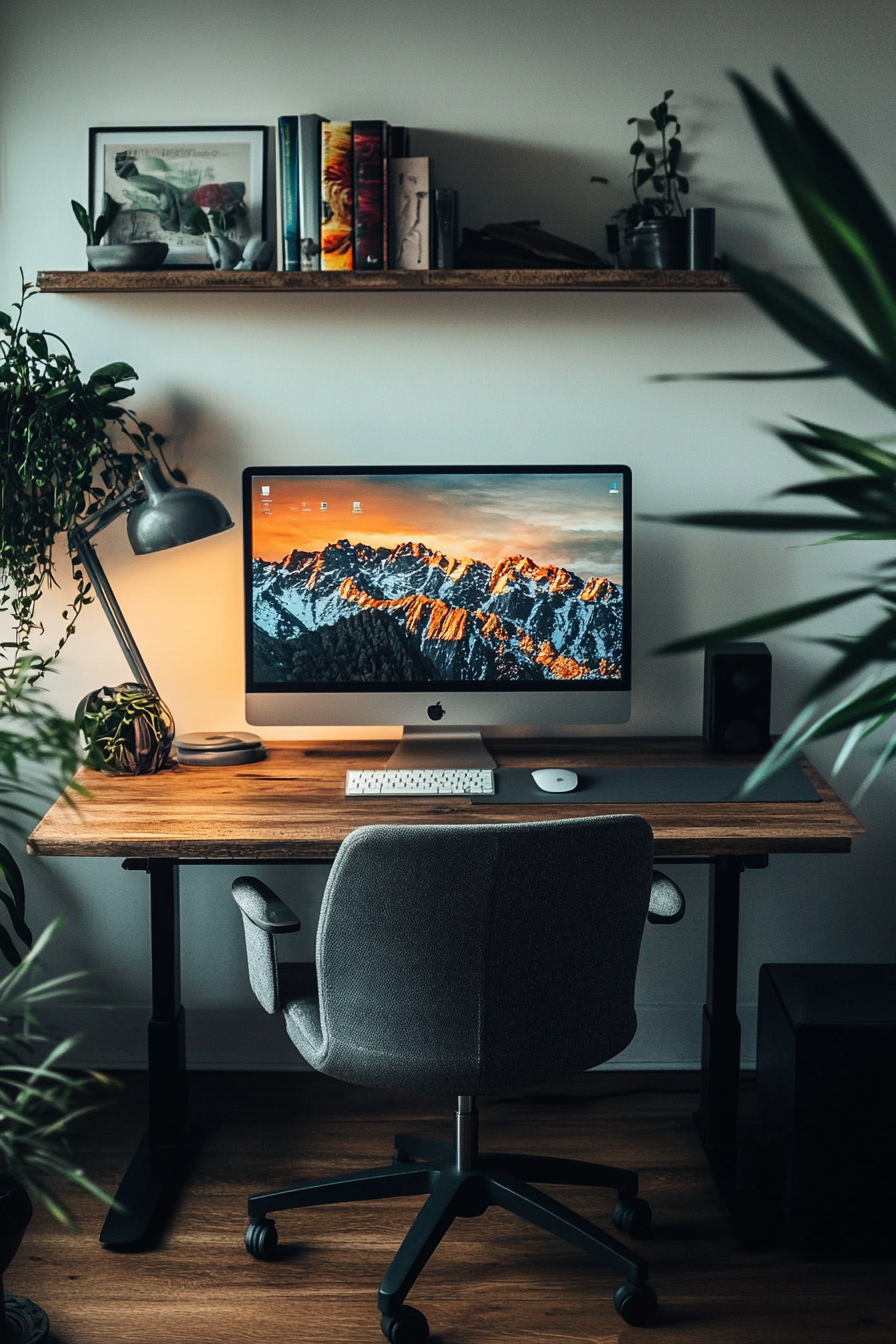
column 519, row 103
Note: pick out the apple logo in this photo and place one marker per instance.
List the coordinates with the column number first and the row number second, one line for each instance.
column 436, row 711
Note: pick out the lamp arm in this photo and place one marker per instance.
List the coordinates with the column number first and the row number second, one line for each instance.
column 96, row 522
column 81, row 548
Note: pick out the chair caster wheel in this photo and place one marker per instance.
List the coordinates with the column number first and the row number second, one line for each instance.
column 635, row 1302
column 261, row 1240
column 632, row 1216
column 407, row 1326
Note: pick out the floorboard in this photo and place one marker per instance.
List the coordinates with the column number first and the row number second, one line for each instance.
column 494, row 1279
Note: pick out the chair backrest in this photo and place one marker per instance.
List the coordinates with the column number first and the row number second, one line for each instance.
column 462, row 959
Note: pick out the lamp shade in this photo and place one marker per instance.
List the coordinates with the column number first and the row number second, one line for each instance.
column 172, row 515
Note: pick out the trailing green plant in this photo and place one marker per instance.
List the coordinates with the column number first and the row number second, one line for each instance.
column 130, row 730
column 856, row 241
column 659, row 169
column 39, row 752
column 39, row 1101
column 58, row 464
column 96, row 231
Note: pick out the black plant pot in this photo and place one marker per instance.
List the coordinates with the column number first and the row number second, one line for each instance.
column 22, row 1322
column 658, row 245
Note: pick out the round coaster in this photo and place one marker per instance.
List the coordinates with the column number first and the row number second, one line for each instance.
column 26, row 1322
column 219, row 748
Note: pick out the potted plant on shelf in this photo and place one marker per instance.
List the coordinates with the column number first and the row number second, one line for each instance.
column 856, row 241
column 654, row 230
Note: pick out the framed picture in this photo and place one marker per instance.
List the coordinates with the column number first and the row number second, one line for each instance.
column 175, row 184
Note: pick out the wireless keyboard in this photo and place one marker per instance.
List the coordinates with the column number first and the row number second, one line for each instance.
column 419, row 783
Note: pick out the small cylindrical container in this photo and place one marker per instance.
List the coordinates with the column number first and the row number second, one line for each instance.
column 701, row 238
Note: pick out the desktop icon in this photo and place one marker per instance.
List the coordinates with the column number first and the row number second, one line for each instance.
column 356, row 506
column 265, row 489
column 323, row 505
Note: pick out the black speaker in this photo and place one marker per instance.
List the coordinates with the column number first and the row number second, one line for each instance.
column 737, row 697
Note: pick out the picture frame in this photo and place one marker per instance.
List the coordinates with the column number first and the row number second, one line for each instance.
column 176, row 184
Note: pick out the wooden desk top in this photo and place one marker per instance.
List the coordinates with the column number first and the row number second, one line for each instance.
column 292, row 805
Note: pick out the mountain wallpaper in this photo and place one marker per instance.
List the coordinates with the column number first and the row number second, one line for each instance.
column 353, row 611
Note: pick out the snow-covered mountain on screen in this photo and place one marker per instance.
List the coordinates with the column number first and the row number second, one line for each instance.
column 430, row 617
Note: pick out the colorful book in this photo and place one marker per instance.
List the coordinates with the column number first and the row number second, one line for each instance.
column 409, row 214
column 287, row 194
column 370, row 182
column 309, row 178
column 336, row 182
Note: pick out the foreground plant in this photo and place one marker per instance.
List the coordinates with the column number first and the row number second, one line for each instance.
column 39, row 752
column 39, row 1101
column 856, row 241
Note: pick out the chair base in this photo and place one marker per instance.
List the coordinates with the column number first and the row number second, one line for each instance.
column 422, row 1166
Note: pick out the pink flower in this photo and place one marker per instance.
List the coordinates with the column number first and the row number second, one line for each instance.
column 213, row 196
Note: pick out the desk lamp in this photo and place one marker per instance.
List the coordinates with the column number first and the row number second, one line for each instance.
column 160, row 515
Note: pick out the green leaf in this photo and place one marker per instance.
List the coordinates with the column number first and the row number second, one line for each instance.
column 747, row 521
column 790, row 375
column 841, row 214
column 83, row 219
column 770, row 620
column 876, row 645
column 37, row 343
column 113, row 373
column 814, row 328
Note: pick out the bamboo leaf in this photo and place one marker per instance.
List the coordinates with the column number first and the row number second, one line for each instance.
column 809, row 324
column 770, row 620
column 745, row 521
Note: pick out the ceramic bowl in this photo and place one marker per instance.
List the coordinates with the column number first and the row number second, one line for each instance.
column 127, row 256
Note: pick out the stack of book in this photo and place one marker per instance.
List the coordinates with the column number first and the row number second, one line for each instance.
column 351, row 198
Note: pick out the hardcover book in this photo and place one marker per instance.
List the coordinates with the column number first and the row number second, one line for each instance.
column 287, row 194
column 309, row 179
column 409, row 214
column 369, row 161
column 337, row 212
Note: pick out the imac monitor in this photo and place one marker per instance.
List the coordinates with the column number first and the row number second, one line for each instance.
column 441, row 599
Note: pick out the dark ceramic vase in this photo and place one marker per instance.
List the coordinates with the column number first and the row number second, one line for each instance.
column 22, row 1321
column 129, row 727
column 659, row 245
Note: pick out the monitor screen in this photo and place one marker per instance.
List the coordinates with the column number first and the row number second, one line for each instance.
column 399, row 580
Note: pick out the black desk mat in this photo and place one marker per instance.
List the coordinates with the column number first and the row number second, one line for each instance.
column 657, row 784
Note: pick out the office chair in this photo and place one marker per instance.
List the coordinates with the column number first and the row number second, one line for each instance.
column 462, row 960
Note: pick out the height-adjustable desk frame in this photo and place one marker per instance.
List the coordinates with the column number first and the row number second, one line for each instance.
column 291, row 808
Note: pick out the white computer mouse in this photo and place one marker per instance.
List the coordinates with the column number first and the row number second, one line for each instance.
column 555, row 781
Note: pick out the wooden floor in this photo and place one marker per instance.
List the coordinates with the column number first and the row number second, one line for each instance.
column 493, row 1279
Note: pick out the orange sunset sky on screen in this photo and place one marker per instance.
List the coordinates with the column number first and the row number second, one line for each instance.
column 552, row 519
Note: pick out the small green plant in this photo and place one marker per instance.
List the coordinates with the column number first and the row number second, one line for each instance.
column 97, row 231
column 661, row 169
column 38, row 1101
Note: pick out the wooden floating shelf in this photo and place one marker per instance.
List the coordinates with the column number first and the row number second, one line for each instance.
column 182, row 280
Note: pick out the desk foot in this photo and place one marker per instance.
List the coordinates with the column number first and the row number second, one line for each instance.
column 147, row 1194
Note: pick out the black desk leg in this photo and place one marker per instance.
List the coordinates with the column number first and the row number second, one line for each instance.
column 153, row 1176
column 720, row 1075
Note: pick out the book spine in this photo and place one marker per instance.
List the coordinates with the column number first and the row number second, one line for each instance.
column 309, row 191
column 368, row 158
column 409, row 214
column 337, row 213
column 445, row 208
column 287, row 195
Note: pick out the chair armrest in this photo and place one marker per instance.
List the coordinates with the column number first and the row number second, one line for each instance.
column 666, row 900
column 264, row 907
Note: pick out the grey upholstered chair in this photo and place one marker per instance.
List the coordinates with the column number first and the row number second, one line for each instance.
column 461, row 960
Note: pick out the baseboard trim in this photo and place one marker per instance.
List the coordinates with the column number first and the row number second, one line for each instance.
column 113, row 1036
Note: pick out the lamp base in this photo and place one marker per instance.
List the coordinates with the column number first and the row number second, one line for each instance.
column 219, row 748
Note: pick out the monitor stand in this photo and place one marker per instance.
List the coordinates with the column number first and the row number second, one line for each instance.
column 441, row 749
